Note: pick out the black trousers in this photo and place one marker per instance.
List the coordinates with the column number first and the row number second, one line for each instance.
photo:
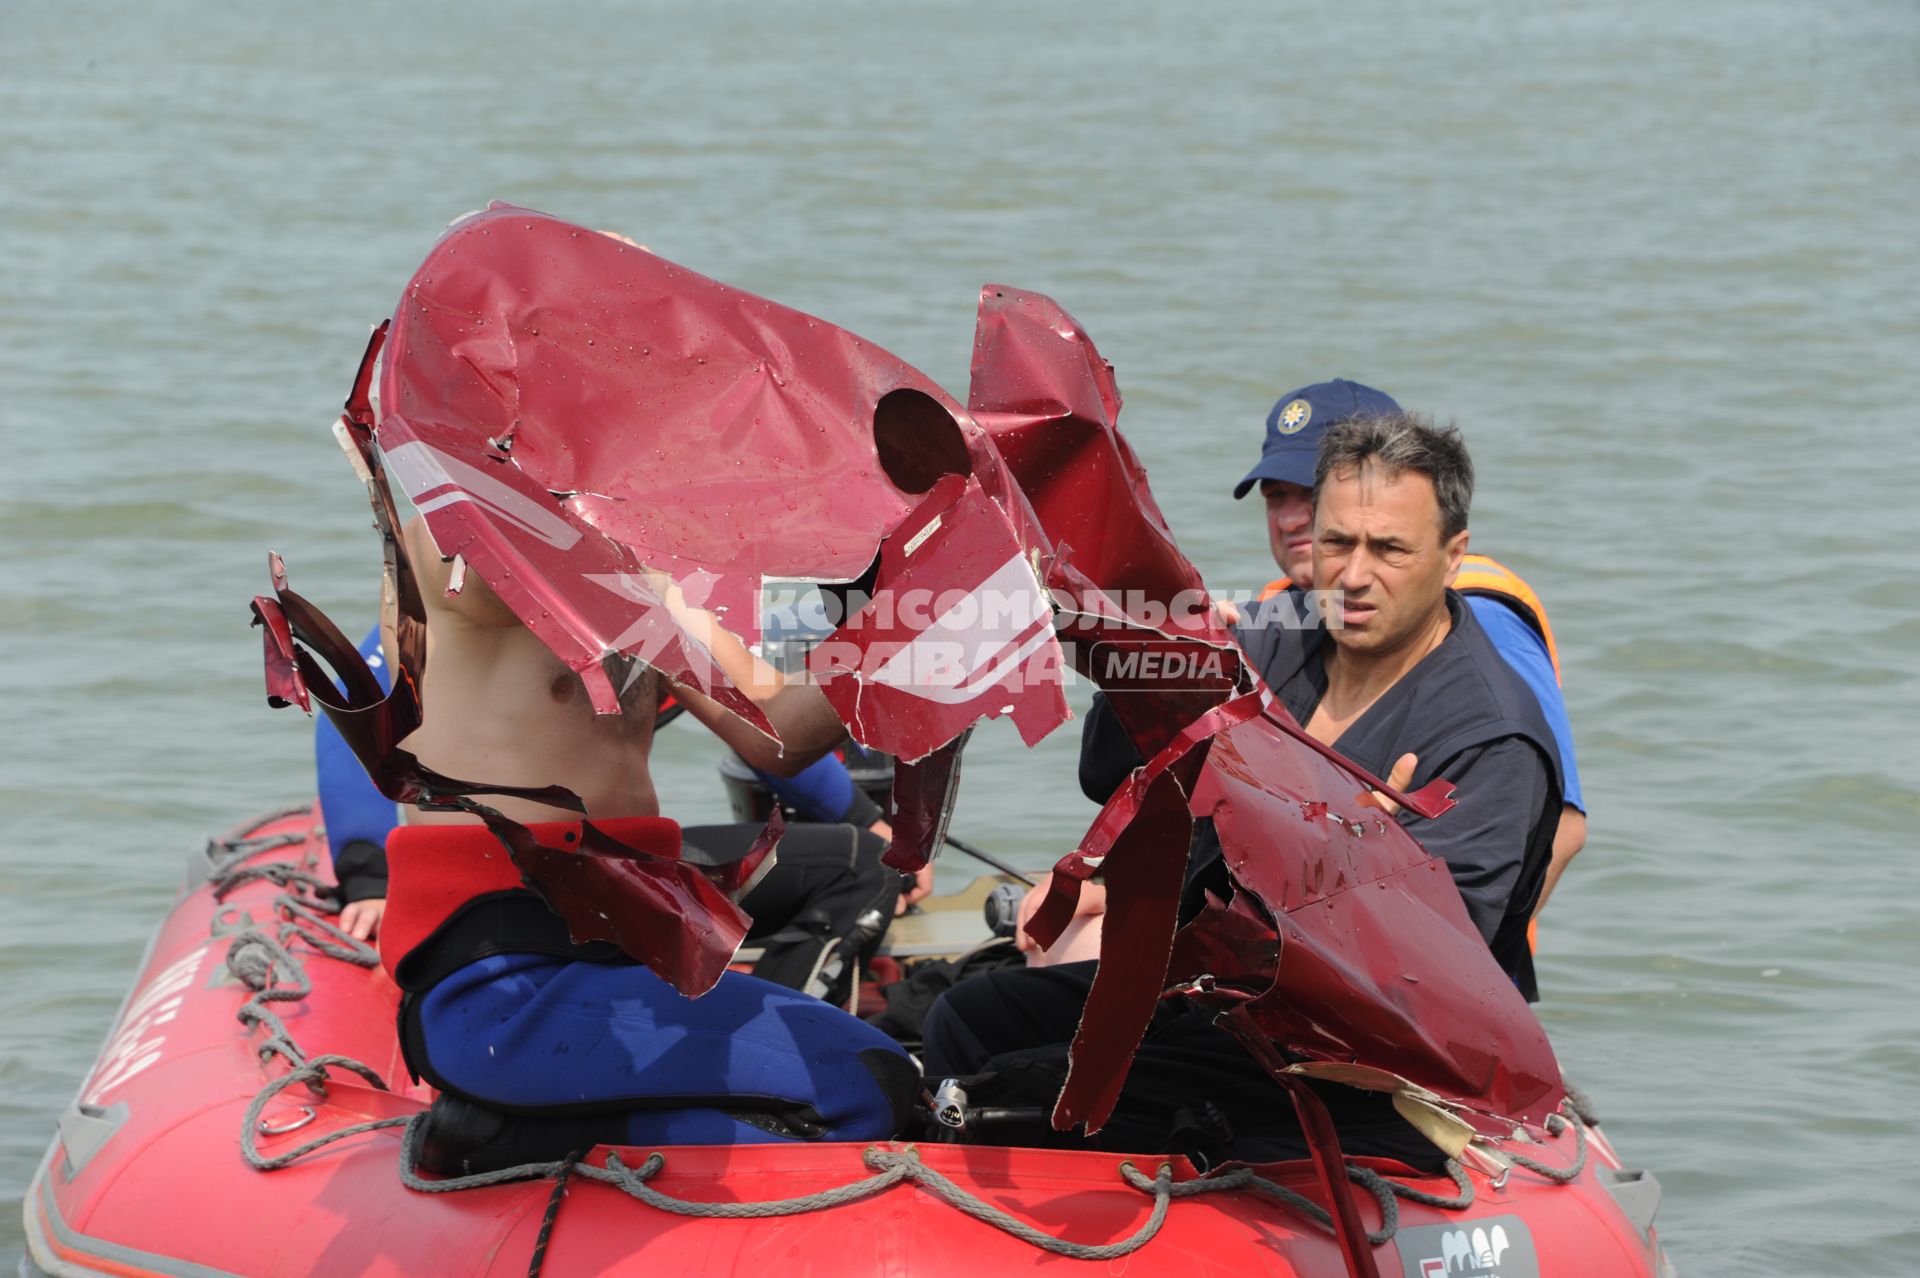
column 827, row 901
column 1188, row 1075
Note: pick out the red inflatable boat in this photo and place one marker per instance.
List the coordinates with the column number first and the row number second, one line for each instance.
column 248, row 1112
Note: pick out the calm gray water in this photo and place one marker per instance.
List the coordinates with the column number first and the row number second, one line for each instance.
column 1659, row 259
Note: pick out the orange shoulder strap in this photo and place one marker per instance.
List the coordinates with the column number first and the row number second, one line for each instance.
column 1480, row 575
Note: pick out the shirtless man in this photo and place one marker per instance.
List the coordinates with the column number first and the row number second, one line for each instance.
column 499, row 704
column 516, row 709
column 496, row 992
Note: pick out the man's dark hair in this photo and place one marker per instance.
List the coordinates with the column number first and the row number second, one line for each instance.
column 1401, row 442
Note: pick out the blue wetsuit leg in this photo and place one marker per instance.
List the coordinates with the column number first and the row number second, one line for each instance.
column 527, row 1032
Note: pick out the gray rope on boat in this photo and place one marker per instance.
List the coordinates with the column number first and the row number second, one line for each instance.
column 313, row 1073
column 1161, row 1186
column 978, row 1207
column 279, row 873
column 270, row 970
column 227, row 852
column 890, row 1169
column 633, row 1182
column 267, row 966
column 1385, row 1193
column 1583, row 1106
column 324, row 935
column 1557, row 1123
column 1461, row 1200
column 893, row 1167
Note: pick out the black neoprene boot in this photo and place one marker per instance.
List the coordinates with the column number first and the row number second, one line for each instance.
column 464, row 1139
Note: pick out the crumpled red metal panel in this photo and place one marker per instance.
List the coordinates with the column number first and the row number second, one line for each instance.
column 958, row 629
column 1379, row 962
column 1180, row 758
column 1046, row 397
column 1147, row 864
column 570, row 411
column 1233, row 943
column 580, row 409
column 920, row 804
column 285, row 685
column 607, row 891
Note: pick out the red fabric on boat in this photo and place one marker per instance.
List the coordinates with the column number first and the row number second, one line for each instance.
column 435, row 869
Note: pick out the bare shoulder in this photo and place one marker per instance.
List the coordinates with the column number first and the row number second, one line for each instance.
column 476, row 604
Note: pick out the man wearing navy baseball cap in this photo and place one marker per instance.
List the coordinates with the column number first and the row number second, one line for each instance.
column 1299, row 419
column 1285, row 469
column 1505, row 606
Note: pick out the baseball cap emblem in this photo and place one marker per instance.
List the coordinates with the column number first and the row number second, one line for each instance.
column 1294, row 416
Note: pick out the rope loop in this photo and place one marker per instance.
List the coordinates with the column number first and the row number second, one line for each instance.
column 1461, row 1200
column 944, row 1189
column 313, row 1073
column 330, row 940
column 1557, row 1123
column 281, row 874
column 632, row 1181
column 1581, row 1104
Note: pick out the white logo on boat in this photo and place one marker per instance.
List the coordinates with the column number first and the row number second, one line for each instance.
column 1495, row 1248
column 134, row 1048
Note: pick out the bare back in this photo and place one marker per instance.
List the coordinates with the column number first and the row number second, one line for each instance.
column 499, row 707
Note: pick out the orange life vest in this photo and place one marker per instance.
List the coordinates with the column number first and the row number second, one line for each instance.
column 1480, row 575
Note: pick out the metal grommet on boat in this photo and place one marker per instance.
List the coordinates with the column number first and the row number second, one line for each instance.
column 307, row 1115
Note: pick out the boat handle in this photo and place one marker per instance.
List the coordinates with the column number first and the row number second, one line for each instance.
column 281, row 1129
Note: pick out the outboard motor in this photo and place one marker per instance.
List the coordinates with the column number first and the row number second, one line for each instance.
column 1002, row 909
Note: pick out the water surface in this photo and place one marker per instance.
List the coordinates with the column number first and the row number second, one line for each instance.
column 1659, row 260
